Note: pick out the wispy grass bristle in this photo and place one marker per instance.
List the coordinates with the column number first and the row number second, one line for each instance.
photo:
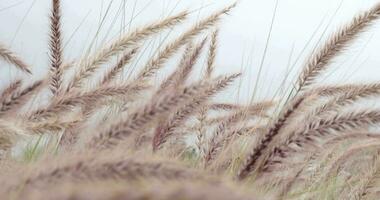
column 56, row 51
column 10, row 57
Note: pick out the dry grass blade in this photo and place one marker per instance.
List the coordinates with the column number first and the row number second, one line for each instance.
column 55, row 48
column 13, row 59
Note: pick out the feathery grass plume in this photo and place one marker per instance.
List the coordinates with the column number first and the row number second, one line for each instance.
column 334, row 90
column 335, row 45
column 297, row 103
column 212, row 54
column 158, row 106
column 349, row 95
column 120, row 190
column 186, row 65
column 200, row 130
column 219, row 137
column 319, row 128
column 169, row 81
column 218, row 120
column 202, row 115
column 157, row 62
column 89, row 65
column 18, row 98
column 256, row 107
column 15, row 85
column 115, row 167
column 49, row 126
column 357, row 93
column 13, row 59
column 88, row 110
column 343, row 96
column 55, row 48
column 356, row 90
column 66, row 103
column 320, row 157
column 355, row 136
column 250, row 163
column 217, row 144
column 340, row 123
column 124, row 60
column 167, row 129
column 175, row 80
column 94, row 101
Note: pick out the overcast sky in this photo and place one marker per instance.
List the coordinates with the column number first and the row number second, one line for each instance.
column 244, row 34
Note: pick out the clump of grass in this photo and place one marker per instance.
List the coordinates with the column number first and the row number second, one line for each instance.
column 127, row 140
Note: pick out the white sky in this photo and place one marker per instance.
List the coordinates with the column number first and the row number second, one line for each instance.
column 24, row 27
